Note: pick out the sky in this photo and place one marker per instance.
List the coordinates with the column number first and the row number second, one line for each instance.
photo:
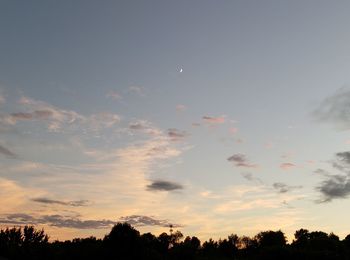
column 216, row 117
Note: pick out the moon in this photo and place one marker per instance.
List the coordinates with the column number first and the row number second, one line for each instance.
column 181, row 70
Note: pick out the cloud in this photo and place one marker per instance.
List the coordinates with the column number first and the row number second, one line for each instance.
column 113, row 95
column 233, row 130
column 283, row 188
column 140, row 220
column 240, row 160
column 139, row 125
column 58, row 119
column 7, row 152
column 2, row 99
column 180, row 108
column 336, row 186
column 103, row 120
column 335, row 109
column 287, row 166
column 176, row 135
column 342, row 161
column 37, row 114
column 160, row 185
column 136, row 89
column 250, row 177
column 56, row 221
column 76, row 203
column 214, row 120
column 61, row 221
column 146, row 127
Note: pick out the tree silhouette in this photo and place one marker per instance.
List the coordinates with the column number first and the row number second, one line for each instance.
column 125, row 242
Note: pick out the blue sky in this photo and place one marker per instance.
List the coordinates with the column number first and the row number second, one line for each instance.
column 219, row 118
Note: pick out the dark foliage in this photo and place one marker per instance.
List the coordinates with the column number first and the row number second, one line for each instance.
column 125, row 242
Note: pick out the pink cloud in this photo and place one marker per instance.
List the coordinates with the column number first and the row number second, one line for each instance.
column 214, row 120
column 113, row 95
column 180, row 108
column 268, row 145
column 287, row 166
column 233, row 130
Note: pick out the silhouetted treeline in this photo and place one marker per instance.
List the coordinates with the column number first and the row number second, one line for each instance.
column 125, row 242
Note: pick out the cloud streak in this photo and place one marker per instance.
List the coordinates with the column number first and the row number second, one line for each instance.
column 287, row 166
column 56, row 221
column 176, row 135
column 283, row 188
column 140, row 220
column 214, row 120
column 336, row 186
column 161, row 185
column 75, row 203
column 7, row 152
column 240, row 160
column 335, row 109
column 58, row 119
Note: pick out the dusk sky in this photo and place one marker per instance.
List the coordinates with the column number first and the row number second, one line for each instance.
column 217, row 117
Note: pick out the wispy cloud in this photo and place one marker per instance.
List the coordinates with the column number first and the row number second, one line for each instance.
column 58, row 119
column 342, row 161
column 250, row 177
column 137, row 90
column 56, row 221
column 161, row 185
column 140, row 220
column 37, row 114
column 233, row 130
column 74, row 203
column 145, row 127
column 335, row 109
column 113, row 95
column 287, row 166
column 176, row 135
column 283, row 188
column 240, row 160
column 2, row 99
column 214, row 120
column 181, row 108
column 5, row 151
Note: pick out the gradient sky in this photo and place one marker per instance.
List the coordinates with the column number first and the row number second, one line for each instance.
column 218, row 117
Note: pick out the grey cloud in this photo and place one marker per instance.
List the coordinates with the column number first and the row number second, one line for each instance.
column 37, row 114
column 144, row 126
column 240, row 160
column 138, row 125
column 56, row 221
column 160, row 185
column 334, row 187
column 283, row 188
column 61, row 221
column 335, row 109
column 342, row 161
column 321, row 171
column 140, row 220
column 176, row 135
column 214, row 120
column 77, row 203
column 7, row 152
column 250, row 177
